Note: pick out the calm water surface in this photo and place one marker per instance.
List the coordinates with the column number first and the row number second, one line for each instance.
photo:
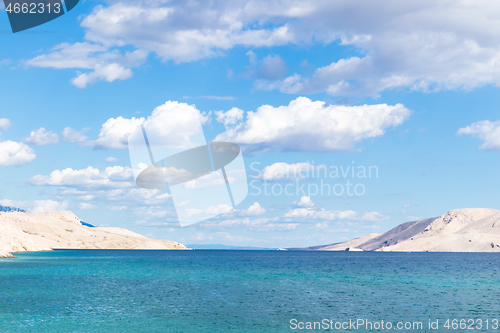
column 242, row 291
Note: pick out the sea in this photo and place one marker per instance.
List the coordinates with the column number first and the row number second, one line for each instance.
column 249, row 291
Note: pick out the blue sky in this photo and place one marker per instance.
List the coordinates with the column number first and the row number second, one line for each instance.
column 411, row 89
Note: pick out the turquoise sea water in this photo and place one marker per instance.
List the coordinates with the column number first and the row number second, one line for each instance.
column 243, row 291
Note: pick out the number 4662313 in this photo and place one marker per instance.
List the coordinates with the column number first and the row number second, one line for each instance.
column 33, row 8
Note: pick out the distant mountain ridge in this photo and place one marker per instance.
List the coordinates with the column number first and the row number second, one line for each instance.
column 459, row 230
column 226, row 247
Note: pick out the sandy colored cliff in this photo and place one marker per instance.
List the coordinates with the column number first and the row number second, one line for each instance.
column 44, row 231
column 459, row 230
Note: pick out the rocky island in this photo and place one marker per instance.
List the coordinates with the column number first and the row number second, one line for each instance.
column 44, row 231
column 459, row 230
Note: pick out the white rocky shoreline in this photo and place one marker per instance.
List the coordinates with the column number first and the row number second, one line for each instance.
column 459, row 230
column 45, row 231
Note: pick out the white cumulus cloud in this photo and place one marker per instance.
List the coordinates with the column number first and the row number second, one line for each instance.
column 104, row 64
column 285, row 171
column 424, row 46
column 71, row 135
column 15, row 153
column 86, row 206
column 272, row 68
column 102, row 72
column 304, row 201
column 487, row 131
column 205, row 31
column 306, row 210
column 36, row 205
column 110, row 177
column 115, row 132
column 230, row 117
column 218, row 209
column 304, row 125
column 172, row 123
column 5, row 123
column 254, row 210
column 41, row 137
column 322, row 214
column 111, row 159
